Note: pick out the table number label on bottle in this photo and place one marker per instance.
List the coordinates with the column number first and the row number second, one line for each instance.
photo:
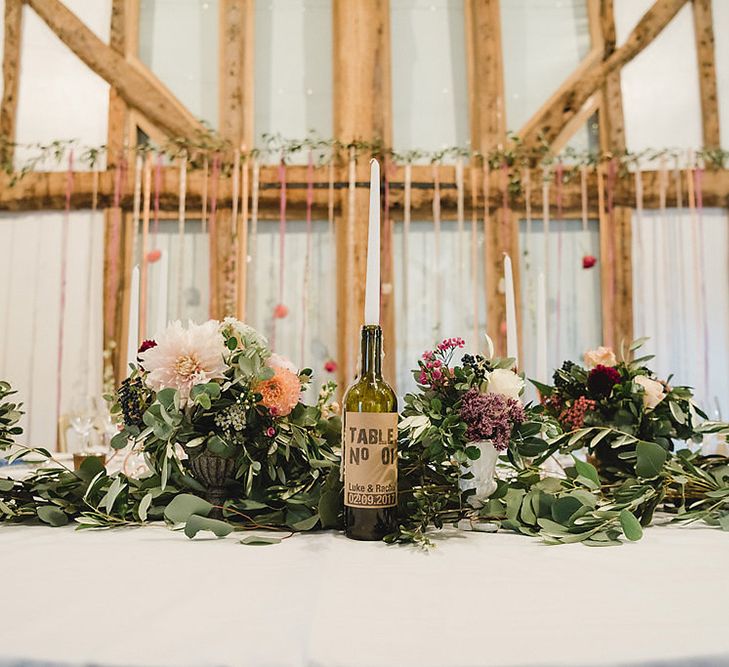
column 370, row 459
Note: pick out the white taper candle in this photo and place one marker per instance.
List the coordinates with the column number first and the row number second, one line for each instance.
column 372, row 283
column 133, row 330
column 541, row 369
column 512, row 344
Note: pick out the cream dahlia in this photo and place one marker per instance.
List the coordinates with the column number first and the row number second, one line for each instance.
column 184, row 357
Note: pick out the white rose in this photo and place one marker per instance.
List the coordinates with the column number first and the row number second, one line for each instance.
column 653, row 391
column 602, row 356
column 505, row 382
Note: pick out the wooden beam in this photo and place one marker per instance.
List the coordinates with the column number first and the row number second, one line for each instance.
column 236, row 114
column 362, row 103
column 546, row 124
column 237, row 21
column 118, row 241
column 612, row 122
column 39, row 191
column 704, row 32
column 137, row 89
column 488, row 131
column 11, row 78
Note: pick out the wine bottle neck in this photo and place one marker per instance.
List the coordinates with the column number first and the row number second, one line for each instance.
column 371, row 351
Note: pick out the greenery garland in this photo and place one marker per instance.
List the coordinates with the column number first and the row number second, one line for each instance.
column 597, row 505
column 513, row 155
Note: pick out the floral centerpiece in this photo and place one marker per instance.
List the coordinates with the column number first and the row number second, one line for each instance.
column 212, row 406
column 609, row 405
column 452, row 431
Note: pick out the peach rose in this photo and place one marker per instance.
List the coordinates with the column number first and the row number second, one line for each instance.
column 602, row 356
column 653, row 391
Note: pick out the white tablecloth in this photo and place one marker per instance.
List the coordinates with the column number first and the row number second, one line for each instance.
column 148, row 596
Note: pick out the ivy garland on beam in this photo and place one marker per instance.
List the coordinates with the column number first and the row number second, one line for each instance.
column 514, row 155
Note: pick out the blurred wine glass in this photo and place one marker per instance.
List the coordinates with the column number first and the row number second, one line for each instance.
column 81, row 418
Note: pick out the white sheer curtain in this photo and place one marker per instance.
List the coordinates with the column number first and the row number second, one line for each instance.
column 439, row 302
column 30, row 300
column 681, row 299
column 307, row 335
column 574, row 322
column 187, row 276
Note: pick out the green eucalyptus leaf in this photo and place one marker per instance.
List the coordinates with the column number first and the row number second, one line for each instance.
column 586, row 470
column 631, row 526
column 196, row 523
column 185, row 505
column 52, row 515
column 650, row 459
column 260, row 540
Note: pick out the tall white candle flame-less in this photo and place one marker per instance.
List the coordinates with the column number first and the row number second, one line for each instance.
column 133, row 331
column 512, row 343
column 372, row 283
column 541, row 370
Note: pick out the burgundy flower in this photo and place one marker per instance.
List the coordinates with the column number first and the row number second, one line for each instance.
column 588, row 261
column 330, row 366
column 601, row 380
column 490, row 417
column 146, row 345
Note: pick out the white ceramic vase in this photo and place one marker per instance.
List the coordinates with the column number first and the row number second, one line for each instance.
column 483, row 470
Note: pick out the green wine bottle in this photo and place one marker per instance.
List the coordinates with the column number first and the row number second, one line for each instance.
column 369, row 447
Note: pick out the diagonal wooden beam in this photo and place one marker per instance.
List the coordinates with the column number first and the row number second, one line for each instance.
column 138, row 89
column 11, row 61
column 546, row 124
column 704, row 31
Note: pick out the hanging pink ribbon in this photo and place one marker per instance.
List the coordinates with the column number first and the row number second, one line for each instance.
column 460, row 218
column 114, row 252
column 698, row 191
column 281, row 311
column 474, row 256
column 212, row 222
column 559, row 173
column 157, row 188
column 505, row 209
column 436, row 229
column 638, row 227
column 63, row 281
column 307, row 256
column 610, row 197
column 583, row 195
column 408, row 182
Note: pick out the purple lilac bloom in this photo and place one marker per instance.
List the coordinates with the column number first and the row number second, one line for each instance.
column 490, row 417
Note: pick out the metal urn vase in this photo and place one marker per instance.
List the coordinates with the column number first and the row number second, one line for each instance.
column 213, row 472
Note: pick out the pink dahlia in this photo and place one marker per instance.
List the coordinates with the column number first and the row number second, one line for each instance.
column 183, row 358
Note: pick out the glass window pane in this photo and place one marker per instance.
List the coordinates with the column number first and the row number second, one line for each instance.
column 530, row 30
column 293, row 69
column 429, row 94
column 178, row 41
